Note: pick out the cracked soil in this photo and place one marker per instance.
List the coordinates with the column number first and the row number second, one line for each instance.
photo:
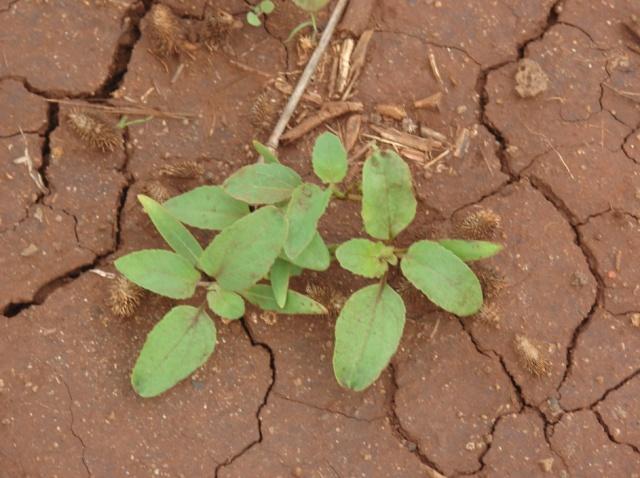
column 562, row 169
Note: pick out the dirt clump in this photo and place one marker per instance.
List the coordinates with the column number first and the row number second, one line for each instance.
column 531, row 80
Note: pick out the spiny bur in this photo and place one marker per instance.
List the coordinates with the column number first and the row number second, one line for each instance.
column 266, row 109
column 215, row 28
column 491, row 280
column 124, row 297
column 531, row 357
column 166, row 31
column 184, row 170
column 94, row 130
column 157, row 191
column 333, row 299
column 479, row 225
column 489, row 315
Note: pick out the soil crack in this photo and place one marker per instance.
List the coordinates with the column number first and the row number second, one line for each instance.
column 401, row 434
column 272, row 365
column 605, row 427
column 73, row 431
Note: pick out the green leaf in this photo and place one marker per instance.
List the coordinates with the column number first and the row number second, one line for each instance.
column 176, row 235
column 243, row 253
column 311, row 5
column 364, row 257
column 262, row 296
column 253, row 19
column 306, row 207
column 279, row 277
column 262, row 183
column 180, row 343
column 226, row 304
column 267, row 6
column 163, row 272
column 471, row 250
column 388, row 204
column 316, row 255
column 440, row 275
column 264, row 151
column 368, row 331
column 329, row 158
column 207, row 207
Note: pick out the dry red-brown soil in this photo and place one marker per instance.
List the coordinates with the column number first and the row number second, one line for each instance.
column 562, row 169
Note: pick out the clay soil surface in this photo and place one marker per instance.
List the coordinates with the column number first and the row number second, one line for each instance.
column 561, row 168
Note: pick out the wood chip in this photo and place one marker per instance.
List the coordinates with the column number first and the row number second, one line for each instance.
column 391, row 111
column 434, row 68
column 409, row 140
column 427, row 132
column 352, row 131
column 462, row 143
column 431, row 102
column 30, row 250
column 286, row 89
column 333, row 78
column 356, row 17
column 328, row 111
column 358, row 60
column 344, row 64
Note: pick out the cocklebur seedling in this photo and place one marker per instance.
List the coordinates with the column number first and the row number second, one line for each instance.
column 370, row 326
column 267, row 218
column 311, row 7
column 254, row 17
column 273, row 241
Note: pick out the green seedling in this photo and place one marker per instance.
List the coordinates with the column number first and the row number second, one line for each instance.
column 254, row 17
column 266, row 218
column 125, row 122
column 311, row 7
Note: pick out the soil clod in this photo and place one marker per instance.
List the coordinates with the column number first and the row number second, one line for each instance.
column 531, row 80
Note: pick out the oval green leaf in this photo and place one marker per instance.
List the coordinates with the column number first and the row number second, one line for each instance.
column 388, row 204
column 180, row 343
column 172, row 231
column 267, row 6
column 307, row 205
column 243, row 253
column 261, row 295
column 311, row 5
column 364, row 257
column 262, row 183
column 442, row 276
column 163, row 272
column 226, row 304
column 279, row 277
column 368, row 331
column 207, row 207
column 329, row 158
column 264, row 151
column 253, row 19
column 471, row 250
column 315, row 256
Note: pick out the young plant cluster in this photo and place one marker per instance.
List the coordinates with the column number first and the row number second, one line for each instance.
column 267, row 219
